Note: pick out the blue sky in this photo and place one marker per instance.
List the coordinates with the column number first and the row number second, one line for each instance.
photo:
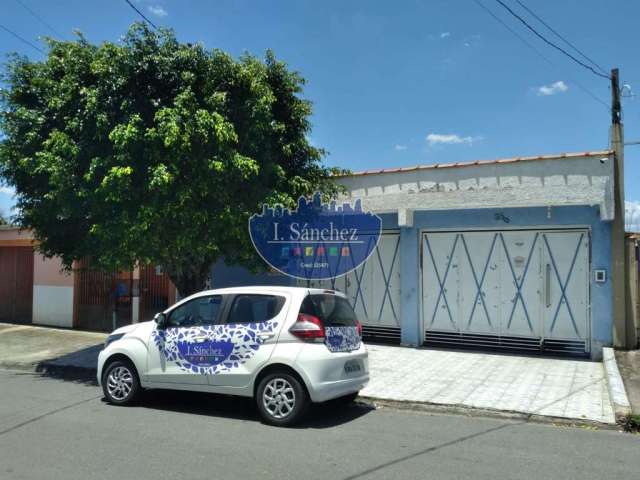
column 404, row 82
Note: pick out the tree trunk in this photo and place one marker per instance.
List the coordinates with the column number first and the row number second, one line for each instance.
column 190, row 280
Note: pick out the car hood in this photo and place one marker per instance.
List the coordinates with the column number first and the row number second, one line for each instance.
column 129, row 328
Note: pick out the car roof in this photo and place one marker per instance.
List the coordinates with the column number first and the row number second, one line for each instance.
column 267, row 289
column 298, row 292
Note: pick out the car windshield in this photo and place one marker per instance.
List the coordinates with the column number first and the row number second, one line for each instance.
column 333, row 310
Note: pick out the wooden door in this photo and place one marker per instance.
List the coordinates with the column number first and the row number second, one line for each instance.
column 16, row 284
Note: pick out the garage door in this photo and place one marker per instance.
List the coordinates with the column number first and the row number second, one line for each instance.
column 373, row 290
column 16, row 284
column 522, row 290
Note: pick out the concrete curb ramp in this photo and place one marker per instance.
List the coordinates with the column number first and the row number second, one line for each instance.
column 617, row 392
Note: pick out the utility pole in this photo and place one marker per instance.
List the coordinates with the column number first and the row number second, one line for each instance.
column 618, row 257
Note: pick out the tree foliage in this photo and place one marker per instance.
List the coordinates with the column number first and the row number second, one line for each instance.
column 153, row 150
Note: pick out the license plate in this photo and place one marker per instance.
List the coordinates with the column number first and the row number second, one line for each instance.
column 352, row 366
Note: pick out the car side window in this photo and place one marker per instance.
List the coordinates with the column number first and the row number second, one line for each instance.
column 196, row 312
column 253, row 308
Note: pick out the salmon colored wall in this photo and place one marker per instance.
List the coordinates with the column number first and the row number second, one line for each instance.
column 47, row 271
column 14, row 237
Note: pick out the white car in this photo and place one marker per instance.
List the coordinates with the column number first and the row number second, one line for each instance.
column 284, row 346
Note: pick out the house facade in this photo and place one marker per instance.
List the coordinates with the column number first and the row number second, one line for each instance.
column 512, row 254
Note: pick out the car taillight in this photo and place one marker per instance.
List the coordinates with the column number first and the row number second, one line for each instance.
column 308, row 327
column 359, row 327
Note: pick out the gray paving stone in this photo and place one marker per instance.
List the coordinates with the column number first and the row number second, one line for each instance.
column 574, row 389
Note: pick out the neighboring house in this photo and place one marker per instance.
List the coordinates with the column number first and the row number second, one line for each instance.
column 35, row 289
column 512, row 254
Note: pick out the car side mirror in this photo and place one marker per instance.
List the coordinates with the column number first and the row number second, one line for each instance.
column 161, row 320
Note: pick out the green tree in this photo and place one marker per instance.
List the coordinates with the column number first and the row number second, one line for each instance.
column 152, row 150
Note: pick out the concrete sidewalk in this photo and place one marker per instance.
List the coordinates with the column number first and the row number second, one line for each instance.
column 564, row 388
column 48, row 349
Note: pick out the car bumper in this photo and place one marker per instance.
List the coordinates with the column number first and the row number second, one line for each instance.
column 101, row 358
column 325, row 374
column 330, row 390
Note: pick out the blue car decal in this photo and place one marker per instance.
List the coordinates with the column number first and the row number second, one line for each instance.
column 211, row 349
column 342, row 339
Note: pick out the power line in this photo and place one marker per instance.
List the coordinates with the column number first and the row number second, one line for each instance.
column 141, row 14
column 548, row 42
column 42, row 20
column 23, row 40
column 560, row 36
column 539, row 53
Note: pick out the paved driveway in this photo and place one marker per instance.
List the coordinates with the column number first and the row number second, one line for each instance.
column 574, row 389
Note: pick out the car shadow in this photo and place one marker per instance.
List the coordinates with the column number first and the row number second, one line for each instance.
column 78, row 366
column 325, row 415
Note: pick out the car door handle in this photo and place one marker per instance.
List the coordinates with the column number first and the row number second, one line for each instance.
column 266, row 335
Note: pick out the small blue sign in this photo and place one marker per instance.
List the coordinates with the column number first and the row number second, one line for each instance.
column 317, row 240
column 206, row 353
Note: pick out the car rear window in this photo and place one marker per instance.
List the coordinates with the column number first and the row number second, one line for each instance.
column 333, row 310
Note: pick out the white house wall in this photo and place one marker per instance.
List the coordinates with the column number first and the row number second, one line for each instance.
column 53, row 305
column 551, row 182
column 52, row 293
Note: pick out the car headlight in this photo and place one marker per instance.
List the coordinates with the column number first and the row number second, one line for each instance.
column 113, row 338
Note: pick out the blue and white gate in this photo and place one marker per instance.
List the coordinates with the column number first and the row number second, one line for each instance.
column 515, row 289
column 373, row 289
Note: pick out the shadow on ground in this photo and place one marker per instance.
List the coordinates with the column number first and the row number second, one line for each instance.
column 78, row 366
column 326, row 415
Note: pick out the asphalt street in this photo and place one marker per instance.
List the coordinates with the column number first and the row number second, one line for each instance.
column 57, row 429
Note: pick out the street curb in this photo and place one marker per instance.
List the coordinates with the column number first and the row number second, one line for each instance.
column 453, row 409
column 617, row 392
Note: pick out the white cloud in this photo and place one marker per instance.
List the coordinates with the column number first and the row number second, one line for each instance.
column 7, row 190
column 400, row 147
column 552, row 89
column 445, row 34
column 632, row 216
column 450, row 139
column 157, row 10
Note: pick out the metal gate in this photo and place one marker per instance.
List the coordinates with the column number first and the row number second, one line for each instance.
column 16, row 284
column 103, row 299
column 373, row 290
column 516, row 289
column 154, row 291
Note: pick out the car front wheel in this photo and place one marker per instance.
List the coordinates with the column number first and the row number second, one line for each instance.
column 282, row 399
column 120, row 383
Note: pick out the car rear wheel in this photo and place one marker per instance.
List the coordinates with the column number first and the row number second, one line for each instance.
column 120, row 383
column 282, row 399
